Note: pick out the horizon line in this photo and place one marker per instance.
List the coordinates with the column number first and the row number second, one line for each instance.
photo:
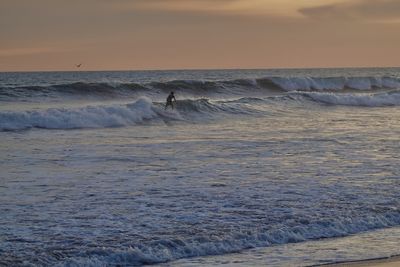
column 201, row 69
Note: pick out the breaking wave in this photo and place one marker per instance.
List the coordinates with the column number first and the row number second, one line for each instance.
column 139, row 112
column 391, row 98
column 143, row 110
column 198, row 88
column 159, row 251
column 333, row 83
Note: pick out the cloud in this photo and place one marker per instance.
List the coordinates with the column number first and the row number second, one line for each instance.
column 178, row 5
column 360, row 10
column 218, row 7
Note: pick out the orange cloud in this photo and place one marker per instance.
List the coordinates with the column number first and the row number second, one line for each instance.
column 164, row 34
column 366, row 10
column 227, row 7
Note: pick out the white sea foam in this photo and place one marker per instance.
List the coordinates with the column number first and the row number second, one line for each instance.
column 239, row 172
column 85, row 117
column 367, row 100
column 376, row 244
column 198, row 88
column 335, row 83
column 100, row 116
column 144, row 110
column 169, row 250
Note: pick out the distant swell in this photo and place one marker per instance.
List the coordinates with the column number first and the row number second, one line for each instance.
column 198, row 88
column 78, row 89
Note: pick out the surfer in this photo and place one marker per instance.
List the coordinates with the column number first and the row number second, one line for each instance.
column 169, row 100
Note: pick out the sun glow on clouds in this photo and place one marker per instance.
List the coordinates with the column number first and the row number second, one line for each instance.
column 164, row 34
column 368, row 10
column 379, row 11
column 227, row 7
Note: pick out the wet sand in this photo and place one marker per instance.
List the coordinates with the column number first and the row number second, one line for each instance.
column 386, row 262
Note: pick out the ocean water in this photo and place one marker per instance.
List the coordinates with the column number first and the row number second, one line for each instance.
column 252, row 167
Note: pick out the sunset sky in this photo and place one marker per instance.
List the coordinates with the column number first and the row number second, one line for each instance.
column 197, row 34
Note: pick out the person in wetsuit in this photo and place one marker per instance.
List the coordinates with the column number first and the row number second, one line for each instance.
column 169, row 100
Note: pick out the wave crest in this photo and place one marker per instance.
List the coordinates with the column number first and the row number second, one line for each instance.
column 141, row 111
column 198, row 88
column 363, row 100
column 168, row 250
column 85, row 117
column 332, row 83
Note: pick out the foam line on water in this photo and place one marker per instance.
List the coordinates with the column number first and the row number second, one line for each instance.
column 141, row 111
column 194, row 110
column 168, row 250
column 367, row 100
column 84, row 117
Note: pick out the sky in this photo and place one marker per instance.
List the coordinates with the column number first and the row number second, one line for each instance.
column 47, row 35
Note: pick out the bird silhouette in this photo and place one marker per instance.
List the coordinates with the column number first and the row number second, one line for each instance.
column 78, row 65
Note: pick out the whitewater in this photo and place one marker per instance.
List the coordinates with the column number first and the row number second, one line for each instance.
column 295, row 167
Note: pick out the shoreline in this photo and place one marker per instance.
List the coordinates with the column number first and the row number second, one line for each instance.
column 392, row 261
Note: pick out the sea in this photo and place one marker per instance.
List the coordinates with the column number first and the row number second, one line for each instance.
column 278, row 167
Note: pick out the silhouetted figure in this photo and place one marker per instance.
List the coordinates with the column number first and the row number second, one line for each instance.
column 78, row 65
column 169, row 100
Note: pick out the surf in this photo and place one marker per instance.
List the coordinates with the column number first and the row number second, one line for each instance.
column 199, row 88
column 141, row 111
column 384, row 99
column 144, row 110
